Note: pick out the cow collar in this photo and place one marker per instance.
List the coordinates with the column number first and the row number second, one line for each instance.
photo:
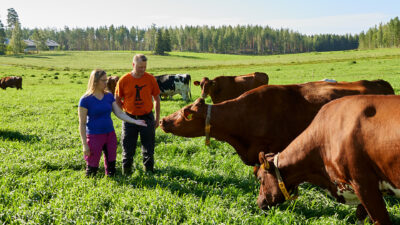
column 281, row 184
column 208, row 126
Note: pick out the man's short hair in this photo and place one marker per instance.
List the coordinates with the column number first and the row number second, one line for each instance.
column 139, row 58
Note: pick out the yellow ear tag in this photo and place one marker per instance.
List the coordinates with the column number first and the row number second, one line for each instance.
column 189, row 116
column 265, row 166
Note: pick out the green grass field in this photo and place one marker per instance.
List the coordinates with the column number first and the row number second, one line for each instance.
column 42, row 168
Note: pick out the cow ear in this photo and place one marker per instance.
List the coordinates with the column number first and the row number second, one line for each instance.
column 188, row 114
column 263, row 161
column 261, row 158
column 196, row 83
column 213, row 83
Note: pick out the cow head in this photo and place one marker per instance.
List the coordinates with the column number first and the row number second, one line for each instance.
column 207, row 86
column 112, row 83
column 270, row 194
column 188, row 121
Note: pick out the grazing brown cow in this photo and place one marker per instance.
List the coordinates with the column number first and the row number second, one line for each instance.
column 229, row 87
column 11, row 82
column 351, row 149
column 266, row 118
column 112, row 83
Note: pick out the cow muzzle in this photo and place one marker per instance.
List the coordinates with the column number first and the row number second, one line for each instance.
column 164, row 125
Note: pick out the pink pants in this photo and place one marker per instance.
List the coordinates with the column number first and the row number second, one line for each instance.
column 98, row 142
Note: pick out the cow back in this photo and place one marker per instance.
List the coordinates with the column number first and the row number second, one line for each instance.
column 230, row 87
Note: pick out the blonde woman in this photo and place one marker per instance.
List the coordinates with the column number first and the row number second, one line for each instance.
column 95, row 124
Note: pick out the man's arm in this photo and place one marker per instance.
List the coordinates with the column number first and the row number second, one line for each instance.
column 157, row 110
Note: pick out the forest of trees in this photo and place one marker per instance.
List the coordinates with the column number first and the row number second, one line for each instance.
column 382, row 36
column 250, row 39
column 224, row 39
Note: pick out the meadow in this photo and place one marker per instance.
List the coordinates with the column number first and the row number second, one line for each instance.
column 42, row 177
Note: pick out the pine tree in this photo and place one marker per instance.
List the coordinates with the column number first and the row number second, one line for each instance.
column 159, row 48
column 167, row 41
column 12, row 18
column 2, row 39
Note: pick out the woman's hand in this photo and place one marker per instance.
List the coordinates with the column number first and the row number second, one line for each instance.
column 123, row 116
column 86, row 150
column 141, row 123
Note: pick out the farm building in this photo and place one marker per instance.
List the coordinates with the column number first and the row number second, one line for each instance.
column 31, row 46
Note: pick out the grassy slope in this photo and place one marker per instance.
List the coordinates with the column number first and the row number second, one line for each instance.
column 42, row 169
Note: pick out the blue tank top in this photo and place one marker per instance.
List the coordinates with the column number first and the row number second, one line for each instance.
column 99, row 113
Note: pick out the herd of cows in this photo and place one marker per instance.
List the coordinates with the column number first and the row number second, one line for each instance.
column 299, row 133
column 341, row 136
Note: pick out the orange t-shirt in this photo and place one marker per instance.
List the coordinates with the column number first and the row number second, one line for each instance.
column 136, row 93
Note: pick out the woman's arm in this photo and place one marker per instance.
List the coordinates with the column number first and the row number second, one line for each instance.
column 82, row 113
column 121, row 115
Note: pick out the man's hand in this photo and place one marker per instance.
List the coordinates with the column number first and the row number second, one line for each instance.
column 156, row 123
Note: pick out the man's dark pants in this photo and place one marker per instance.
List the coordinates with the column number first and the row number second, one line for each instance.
column 129, row 137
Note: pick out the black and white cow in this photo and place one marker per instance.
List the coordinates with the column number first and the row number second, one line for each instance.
column 172, row 84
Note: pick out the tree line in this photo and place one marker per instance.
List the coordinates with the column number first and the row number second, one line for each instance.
column 250, row 39
column 382, row 36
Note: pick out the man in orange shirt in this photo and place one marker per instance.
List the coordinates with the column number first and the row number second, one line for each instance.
column 134, row 93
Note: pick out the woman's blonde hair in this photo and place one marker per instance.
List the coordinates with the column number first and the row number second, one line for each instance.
column 93, row 80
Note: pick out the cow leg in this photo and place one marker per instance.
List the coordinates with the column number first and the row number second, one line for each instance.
column 372, row 200
column 184, row 97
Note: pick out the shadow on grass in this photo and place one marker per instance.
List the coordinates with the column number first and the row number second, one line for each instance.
column 306, row 209
column 41, row 55
column 187, row 56
column 302, row 208
column 17, row 136
column 48, row 166
column 183, row 182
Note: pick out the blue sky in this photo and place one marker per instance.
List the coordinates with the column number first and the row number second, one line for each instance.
column 306, row 16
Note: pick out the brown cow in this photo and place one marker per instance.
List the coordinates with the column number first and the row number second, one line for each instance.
column 351, row 149
column 266, row 118
column 229, row 87
column 112, row 83
column 11, row 82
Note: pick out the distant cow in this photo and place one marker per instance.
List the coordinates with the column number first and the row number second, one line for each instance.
column 172, row 84
column 351, row 149
column 11, row 82
column 329, row 80
column 112, row 83
column 229, row 87
column 266, row 118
